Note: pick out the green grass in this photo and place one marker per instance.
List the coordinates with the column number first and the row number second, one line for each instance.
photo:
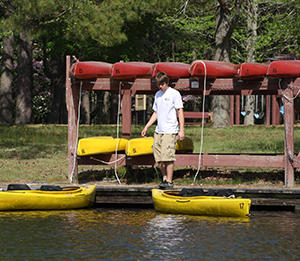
column 38, row 153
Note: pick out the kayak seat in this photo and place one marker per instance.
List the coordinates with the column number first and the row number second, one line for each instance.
column 191, row 192
column 50, row 188
column 18, row 187
column 219, row 192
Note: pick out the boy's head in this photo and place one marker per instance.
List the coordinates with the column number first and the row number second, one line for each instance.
column 161, row 78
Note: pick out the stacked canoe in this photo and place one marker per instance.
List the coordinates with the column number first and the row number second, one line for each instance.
column 175, row 70
column 100, row 145
column 132, row 147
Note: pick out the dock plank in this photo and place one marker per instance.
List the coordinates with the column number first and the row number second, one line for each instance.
column 260, row 197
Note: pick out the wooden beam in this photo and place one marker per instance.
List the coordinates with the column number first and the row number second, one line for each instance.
column 72, row 107
column 276, row 161
column 239, row 160
column 289, row 136
column 275, row 111
column 237, row 109
column 126, row 112
column 268, row 110
column 231, row 109
column 191, row 86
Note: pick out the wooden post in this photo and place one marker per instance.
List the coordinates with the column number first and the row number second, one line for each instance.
column 289, row 136
column 72, row 105
column 268, row 110
column 126, row 112
column 275, row 111
column 237, row 109
column 231, row 109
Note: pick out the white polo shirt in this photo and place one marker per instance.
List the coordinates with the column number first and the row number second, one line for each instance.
column 166, row 104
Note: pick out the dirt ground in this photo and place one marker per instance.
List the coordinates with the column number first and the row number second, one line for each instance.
column 209, row 177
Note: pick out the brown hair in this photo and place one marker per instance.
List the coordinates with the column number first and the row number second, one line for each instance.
column 161, row 78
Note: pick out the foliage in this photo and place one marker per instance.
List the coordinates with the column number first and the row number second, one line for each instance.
column 41, row 94
column 191, row 101
column 278, row 30
column 150, row 31
column 86, row 29
column 194, row 24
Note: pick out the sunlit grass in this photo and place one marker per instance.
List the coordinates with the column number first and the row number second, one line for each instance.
column 39, row 152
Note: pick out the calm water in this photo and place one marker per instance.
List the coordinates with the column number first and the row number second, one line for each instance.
column 97, row 234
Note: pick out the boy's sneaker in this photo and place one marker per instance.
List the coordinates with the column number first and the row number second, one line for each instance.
column 166, row 185
column 162, row 185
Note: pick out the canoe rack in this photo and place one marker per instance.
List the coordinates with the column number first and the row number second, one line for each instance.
column 275, row 88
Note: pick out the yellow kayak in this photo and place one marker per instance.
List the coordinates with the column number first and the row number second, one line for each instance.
column 100, row 145
column 168, row 201
column 69, row 197
column 185, row 146
column 143, row 146
column 139, row 146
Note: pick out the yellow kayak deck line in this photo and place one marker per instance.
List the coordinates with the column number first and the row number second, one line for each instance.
column 168, row 202
column 143, row 146
column 100, row 145
column 71, row 197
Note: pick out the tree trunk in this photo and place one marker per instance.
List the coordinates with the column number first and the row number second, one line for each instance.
column 250, row 50
column 58, row 107
column 113, row 108
column 224, row 29
column 7, row 77
column 249, row 109
column 149, row 104
column 105, row 108
column 7, row 73
column 85, row 108
column 24, row 88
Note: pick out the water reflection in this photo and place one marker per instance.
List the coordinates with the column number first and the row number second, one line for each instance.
column 145, row 235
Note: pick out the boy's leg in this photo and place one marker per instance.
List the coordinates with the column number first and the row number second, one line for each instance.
column 163, row 170
column 164, row 154
column 169, row 168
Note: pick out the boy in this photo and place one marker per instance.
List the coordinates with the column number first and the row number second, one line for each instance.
column 167, row 104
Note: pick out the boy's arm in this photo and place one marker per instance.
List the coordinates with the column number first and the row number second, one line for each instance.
column 149, row 123
column 181, row 124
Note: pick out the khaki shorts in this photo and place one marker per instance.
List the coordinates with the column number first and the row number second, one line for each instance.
column 164, row 147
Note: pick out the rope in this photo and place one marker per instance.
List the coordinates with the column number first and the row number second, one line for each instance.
column 289, row 157
column 202, row 124
column 118, row 125
column 77, row 131
column 279, row 85
column 108, row 162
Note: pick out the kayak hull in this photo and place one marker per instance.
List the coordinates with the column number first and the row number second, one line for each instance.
column 284, row 69
column 143, row 146
column 213, row 69
column 91, row 70
column 100, row 145
column 173, row 69
column 131, row 70
column 167, row 202
column 253, row 70
column 73, row 197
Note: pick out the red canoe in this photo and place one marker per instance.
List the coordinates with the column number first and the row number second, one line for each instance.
column 173, row 69
column 214, row 69
column 284, row 69
column 91, row 70
column 131, row 70
column 253, row 70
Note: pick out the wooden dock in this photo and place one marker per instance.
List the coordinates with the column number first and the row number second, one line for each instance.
column 140, row 197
